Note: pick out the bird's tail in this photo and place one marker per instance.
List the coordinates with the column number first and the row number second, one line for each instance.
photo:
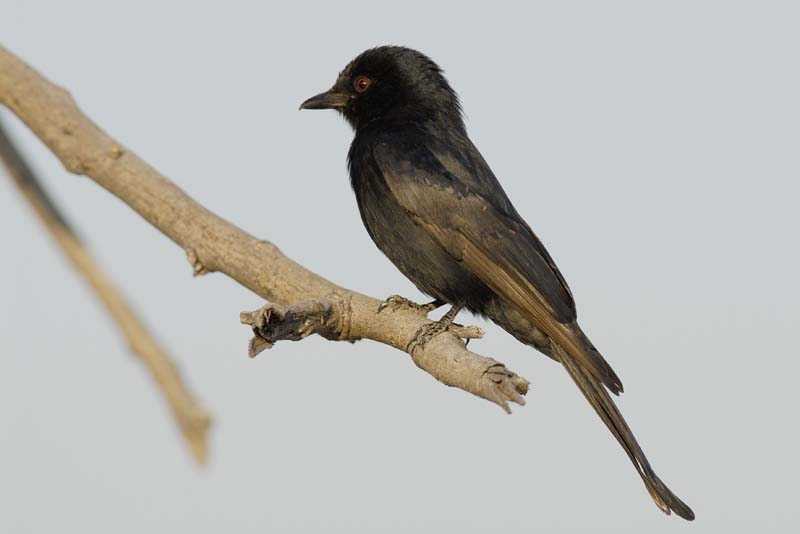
column 601, row 401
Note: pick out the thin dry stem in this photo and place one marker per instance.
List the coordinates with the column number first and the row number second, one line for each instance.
column 190, row 416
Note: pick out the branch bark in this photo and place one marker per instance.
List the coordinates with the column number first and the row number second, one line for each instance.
column 192, row 419
column 213, row 244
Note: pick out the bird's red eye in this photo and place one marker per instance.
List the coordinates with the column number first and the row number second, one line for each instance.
column 361, row 84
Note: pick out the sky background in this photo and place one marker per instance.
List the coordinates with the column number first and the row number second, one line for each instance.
column 652, row 146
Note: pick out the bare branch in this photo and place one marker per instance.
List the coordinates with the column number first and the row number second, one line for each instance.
column 192, row 419
column 214, row 244
column 274, row 322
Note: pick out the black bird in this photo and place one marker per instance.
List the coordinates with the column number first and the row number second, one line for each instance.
column 432, row 205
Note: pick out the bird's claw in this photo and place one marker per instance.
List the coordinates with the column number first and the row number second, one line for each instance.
column 396, row 302
column 426, row 332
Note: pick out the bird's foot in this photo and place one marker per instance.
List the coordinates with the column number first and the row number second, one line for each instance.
column 396, row 302
column 425, row 333
column 428, row 331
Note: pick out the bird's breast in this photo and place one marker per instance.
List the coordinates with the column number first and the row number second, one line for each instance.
column 406, row 244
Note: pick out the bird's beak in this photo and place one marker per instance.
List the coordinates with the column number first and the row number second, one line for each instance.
column 327, row 100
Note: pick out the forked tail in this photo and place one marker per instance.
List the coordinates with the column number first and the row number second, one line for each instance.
column 598, row 397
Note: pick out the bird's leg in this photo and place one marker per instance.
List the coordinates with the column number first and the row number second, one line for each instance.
column 395, row 302
column 429, row 331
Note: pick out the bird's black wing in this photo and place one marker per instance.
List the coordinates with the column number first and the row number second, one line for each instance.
column 466, row 164
column 472, row 219
column 458, row 198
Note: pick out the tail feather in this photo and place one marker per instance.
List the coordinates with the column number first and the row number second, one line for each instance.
column 610, row 378
column 602, row 403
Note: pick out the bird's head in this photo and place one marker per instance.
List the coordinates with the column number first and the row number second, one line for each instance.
column 390, row 82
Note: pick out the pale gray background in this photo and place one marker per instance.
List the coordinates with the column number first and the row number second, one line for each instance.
column 654, row 148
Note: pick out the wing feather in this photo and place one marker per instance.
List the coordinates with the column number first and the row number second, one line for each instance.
column 498, row 247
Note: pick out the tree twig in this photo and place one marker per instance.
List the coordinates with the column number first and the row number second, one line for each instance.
column 213, row 244
column 191, row 418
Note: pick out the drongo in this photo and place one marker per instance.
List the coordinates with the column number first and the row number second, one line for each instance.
column 432, row 205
